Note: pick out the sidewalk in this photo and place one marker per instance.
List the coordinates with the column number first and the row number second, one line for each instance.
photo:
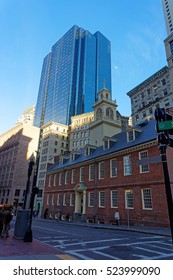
column 13, row 249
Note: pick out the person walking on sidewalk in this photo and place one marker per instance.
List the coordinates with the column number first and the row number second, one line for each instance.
column 1, row 220
column 6, row 223
column 117, row 218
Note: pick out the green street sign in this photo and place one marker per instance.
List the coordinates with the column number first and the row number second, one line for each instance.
column 166, row 125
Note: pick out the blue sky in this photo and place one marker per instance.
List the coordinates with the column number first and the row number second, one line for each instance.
column 29, row 28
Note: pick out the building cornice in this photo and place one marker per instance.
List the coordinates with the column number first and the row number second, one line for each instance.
column 107, row 156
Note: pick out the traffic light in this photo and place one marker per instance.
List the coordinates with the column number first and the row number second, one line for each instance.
column 35, row 190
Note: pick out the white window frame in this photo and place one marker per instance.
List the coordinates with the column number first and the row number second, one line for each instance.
column 64, row 199
column 91, row 199
column 145, row 198
column 144, row 168
column 58, row 199
column 60, row 178
column 101, row 199
column 128, row 197
column 127, row 165
column 67, row 174
column 101, row 170
column 82, row 170
column 131, row 135
column 54, row 179
column 72, row 199
column 111, row 168
column 114, row 200
column 53, row 199
column 73, row 176
column 91, row 174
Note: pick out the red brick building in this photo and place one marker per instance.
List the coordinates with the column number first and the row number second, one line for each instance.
column 124, row 175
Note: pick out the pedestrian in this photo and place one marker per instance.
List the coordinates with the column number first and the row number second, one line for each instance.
column 6, row 222
column 46, row 213
column 117, row 217
column 1, row 220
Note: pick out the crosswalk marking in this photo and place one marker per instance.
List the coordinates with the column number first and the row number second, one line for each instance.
column 153, row 248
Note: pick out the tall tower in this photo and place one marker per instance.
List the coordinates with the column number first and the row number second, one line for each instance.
column 72, row 74
column 168, row 15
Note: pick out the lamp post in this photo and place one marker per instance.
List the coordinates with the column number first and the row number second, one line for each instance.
column 30, row 168
column 35, row 190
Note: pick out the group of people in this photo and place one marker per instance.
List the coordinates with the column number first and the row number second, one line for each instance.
column 5, row 219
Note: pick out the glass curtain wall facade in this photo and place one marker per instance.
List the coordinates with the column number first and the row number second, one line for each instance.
column 78, row 66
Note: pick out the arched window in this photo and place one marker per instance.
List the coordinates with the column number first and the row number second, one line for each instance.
column 109, row 113
column 98, row 113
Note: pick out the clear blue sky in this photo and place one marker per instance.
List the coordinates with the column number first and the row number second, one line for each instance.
column 29, row 28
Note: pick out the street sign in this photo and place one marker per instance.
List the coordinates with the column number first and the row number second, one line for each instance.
column 143, row 161
column 166, row 125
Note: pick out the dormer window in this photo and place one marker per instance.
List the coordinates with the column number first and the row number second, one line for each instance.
column 74, row 155
column 89, row 149
column 130, row 135
column 106, row 144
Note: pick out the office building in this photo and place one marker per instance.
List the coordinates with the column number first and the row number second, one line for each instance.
column 17, row 146
column 168, row 15
column 54, row 142
column 154, row 92
column 75, row 70
column 157, row 90
column 28, row 116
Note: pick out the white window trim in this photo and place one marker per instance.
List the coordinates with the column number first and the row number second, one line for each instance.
column 82, row 170
column 72, row 198
column 53, row 199
column 72, row 176
column 113, row 176
column 131, row 192
column 133, row 131
column 100, row 206
column 67, row 174
column 112, row 199
column 100, row 163
column 60, row 178
column 54, row 180
column 89, row 199
column 64, row 199
column 140, row 166
column 130, row 165
column 143, row 204
column 58, row 198
column 90, row 166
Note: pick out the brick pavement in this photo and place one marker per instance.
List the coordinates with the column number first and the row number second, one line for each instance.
column 11, row 248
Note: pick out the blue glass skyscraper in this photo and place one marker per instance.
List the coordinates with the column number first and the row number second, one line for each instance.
column 77, row 67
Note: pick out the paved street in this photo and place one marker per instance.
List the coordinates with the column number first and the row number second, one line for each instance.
column 90, row 243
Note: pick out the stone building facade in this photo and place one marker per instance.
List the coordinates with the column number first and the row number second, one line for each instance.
column 16, row 148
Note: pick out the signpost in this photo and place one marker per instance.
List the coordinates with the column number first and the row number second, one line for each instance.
column 164, row 128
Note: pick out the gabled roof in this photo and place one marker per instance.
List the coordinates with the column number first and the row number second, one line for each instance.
column 147, row 133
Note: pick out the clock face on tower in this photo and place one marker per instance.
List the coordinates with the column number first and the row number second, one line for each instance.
column 99, row 113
